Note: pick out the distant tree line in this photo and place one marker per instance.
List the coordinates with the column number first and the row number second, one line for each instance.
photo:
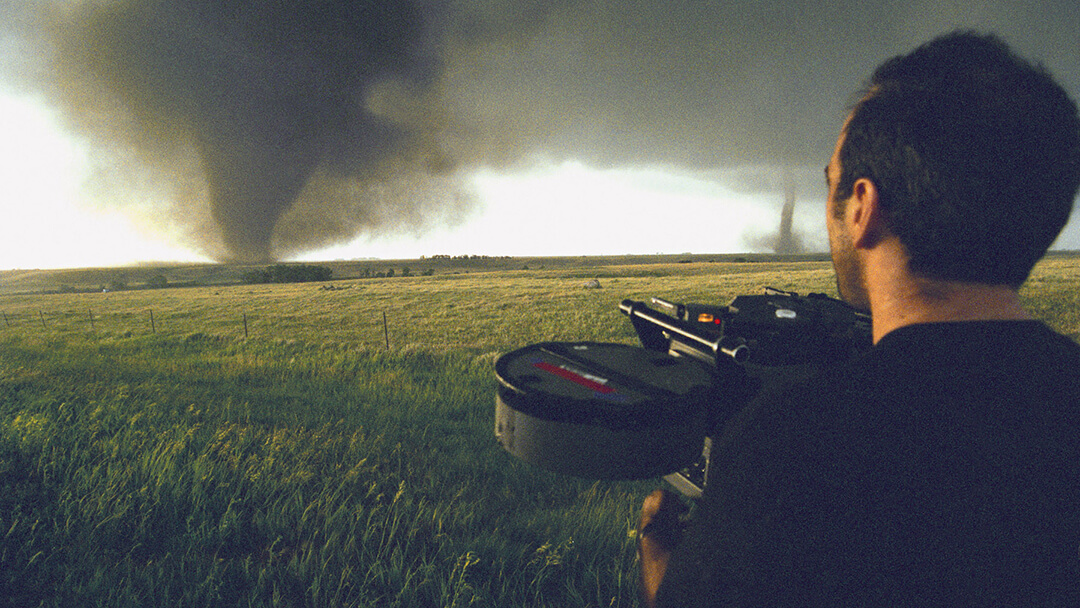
column 443, row 256
column 368, row 273
column 289, row 273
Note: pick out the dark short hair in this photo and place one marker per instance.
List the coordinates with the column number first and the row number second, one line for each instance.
column 975, row 153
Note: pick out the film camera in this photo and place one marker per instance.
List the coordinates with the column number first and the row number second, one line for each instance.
column 616, row 411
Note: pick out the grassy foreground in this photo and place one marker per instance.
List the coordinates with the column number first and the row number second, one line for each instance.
column 183, row 464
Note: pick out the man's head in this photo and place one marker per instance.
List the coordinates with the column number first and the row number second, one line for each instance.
column 974, row 153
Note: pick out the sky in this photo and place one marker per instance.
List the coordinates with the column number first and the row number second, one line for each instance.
column 136, row 131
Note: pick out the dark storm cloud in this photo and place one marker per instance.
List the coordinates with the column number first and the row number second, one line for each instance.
column 710, row 84
column 303, row 124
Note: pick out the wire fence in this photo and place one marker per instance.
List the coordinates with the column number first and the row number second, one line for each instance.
column 363, row 328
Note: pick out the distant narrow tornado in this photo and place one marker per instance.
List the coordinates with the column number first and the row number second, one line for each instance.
column 786, row 241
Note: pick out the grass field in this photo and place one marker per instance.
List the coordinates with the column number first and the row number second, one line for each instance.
column 181, row 463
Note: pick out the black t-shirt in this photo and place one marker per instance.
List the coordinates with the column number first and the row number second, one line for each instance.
column 940, row 469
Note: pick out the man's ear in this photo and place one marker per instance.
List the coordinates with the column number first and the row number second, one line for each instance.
column 864, row 216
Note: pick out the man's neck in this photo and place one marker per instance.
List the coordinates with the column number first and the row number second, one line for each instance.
column 916, row 300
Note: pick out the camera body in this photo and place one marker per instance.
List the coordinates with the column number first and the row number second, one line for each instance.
column 614, row 411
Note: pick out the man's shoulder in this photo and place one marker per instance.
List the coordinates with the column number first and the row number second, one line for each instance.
column 1027, row 333
column 971, row 349
column 930, row 369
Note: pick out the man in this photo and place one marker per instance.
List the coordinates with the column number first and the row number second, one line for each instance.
column 943, row 467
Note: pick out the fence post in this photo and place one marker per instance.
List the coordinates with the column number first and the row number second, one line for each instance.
column 6, row 322
column 245, row 326
column 386, row 330
column 41, row 315
column 153, row 328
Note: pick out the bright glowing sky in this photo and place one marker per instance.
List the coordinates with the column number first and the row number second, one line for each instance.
column 47, row 221
column 564, row 208
column 570, row 209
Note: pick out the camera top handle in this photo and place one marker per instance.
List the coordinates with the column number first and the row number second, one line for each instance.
column 660, row 332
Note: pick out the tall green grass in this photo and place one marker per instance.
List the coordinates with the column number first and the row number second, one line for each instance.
column 307, row 465
column 211, row 472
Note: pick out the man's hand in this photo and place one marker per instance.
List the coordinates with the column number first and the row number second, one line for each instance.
column 659, row 530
